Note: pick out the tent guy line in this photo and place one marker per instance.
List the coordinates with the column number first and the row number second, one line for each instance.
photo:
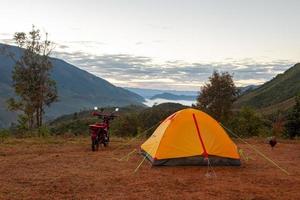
column 256, row 150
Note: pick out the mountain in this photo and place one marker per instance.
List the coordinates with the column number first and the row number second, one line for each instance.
column 277, row 93
column 171, row 96
column 247, row 88
column 148, row 93
column 77, row 89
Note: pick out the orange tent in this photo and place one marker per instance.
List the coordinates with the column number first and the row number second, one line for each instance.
column 190, row 137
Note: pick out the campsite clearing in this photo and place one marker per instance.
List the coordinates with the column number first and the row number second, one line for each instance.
column 67, row 169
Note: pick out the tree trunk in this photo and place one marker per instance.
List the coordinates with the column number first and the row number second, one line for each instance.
column 37, row 118
column 41, row 115
column 31, row 121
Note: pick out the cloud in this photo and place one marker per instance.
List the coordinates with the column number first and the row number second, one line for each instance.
column 140, row 71
column 138, row 43
column 62, row 47
column 6, row 35
column 160, row 80
column 250, row 81
column 7, row 41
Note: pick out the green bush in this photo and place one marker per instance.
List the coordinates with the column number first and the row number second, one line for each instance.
column 150, row 118
column 4, row 134
column 74, row 126
column 43, row 131
column 248, row 123
column 142, row 121
column 126, row 125
column 293, row 121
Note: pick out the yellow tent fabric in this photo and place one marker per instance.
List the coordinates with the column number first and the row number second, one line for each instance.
column 189, row 133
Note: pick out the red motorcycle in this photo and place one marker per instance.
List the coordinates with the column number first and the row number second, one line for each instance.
column 99, row 131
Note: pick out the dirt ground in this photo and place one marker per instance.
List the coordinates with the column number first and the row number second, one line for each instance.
column 67, row 169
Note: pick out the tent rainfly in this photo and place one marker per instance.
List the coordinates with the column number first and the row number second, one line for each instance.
column 190, row 137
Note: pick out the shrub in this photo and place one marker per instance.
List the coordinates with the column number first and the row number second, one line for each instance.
column 43, row 131
column 293, row 121
column 76, row 127
column 126, row 125
column 277, row 120
column 4, row 134
column 248, row 123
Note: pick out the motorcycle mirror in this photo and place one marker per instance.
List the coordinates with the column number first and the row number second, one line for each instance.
column 95, row 108
column 117, row 109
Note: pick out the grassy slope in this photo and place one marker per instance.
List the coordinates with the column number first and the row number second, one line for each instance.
column 276, row 93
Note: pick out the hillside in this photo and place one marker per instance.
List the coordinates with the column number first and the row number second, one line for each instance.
column 279, row 91
column 247, row 88
column 77, row 89
column 130, row 120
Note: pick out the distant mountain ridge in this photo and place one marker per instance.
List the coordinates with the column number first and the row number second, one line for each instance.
column 77, row 89
column 171, row 96
column 274, row 94
column 148, row 93
column 247, row 88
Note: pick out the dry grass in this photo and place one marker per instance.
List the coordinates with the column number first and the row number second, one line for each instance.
column 57, row 168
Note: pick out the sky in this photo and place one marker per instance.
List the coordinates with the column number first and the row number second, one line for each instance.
column 165, row 44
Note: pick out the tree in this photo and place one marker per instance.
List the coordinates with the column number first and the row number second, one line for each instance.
column 217, row 96
column 293, row 120
column 31, row 77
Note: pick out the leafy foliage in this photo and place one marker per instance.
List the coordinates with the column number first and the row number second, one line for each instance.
column 4, row 134
column 31, row 79
column 248, row 123
column 132, row 120
column 217, row 96
column 293, row 120
column 151, row 117
column 78, row 122
column 126, row 125
column 74, row 127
